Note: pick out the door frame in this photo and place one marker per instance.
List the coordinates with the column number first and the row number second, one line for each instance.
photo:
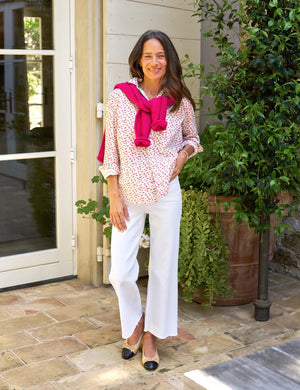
column 61, row 261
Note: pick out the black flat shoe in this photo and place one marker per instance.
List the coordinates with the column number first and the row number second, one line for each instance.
column 150, row 364
column 128, row 351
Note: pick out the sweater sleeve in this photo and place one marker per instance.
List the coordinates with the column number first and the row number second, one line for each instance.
column 189, row 128
column 111, row 163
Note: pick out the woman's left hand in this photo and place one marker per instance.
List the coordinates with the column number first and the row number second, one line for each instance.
column 180, row 161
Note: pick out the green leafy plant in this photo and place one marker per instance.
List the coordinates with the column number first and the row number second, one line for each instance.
column 255, row 140
column 99, row 212
column 203, row 253
column 32, row 32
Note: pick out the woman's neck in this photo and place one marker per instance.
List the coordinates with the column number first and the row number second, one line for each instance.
column 151, row 89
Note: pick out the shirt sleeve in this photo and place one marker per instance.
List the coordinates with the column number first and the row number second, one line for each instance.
column 111, row 163
column 189, row 128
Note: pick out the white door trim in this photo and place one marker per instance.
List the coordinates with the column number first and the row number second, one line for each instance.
column 59, row 262
column 27, row 156
column 72, row 62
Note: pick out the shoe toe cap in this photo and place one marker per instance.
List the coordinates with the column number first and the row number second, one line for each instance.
column 127, row 353
column 151, row 365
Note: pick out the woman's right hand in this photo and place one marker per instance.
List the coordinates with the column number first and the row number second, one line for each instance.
column 118, row 212
column 118, row 209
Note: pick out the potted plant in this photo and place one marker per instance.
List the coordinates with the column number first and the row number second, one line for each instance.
column 255, row 139
column 203, row 252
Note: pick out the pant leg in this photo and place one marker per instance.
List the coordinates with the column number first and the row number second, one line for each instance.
column 125, row 269
column 161, row 313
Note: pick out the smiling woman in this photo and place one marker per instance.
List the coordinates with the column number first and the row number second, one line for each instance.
column 149, row 135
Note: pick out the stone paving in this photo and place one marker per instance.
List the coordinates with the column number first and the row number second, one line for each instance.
column 67, row 335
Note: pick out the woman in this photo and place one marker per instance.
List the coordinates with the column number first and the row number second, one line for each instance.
column 150, row 133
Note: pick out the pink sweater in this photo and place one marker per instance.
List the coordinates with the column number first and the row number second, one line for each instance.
column 151, row 115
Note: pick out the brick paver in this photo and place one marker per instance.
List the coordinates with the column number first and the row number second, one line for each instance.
column 67, row 336
column 61, row 329
column 39, row 373
column 50, row 349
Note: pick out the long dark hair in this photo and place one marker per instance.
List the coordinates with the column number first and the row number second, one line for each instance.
column 173, row 84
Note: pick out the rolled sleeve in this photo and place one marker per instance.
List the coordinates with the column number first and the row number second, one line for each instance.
column 111, row 163
column 108, row 171
column 189, row 129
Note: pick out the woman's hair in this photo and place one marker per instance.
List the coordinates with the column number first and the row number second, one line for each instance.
column 173, row 84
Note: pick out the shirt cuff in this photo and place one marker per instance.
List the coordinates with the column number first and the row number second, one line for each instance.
column 197, row 147
column 108, row 171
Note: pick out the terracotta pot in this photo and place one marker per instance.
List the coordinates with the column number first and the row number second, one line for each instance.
column 243, row 259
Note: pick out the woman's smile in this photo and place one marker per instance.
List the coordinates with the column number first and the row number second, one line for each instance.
column 155, row 70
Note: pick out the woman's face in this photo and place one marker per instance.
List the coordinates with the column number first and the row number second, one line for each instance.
column 153, row 61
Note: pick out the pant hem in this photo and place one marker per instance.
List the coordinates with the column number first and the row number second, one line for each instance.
column 161, row 337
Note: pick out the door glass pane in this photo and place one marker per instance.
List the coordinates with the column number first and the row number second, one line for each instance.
column 26, row 24
column 27, row 198
column 26, row 104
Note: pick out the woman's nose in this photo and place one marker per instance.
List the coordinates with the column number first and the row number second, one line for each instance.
column 154, row 60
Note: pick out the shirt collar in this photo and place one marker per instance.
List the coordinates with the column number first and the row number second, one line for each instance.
column 136, row 81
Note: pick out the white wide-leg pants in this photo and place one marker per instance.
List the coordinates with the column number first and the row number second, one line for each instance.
column 162, row 294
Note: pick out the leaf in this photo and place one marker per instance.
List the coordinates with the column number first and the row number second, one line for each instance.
column 105, row 201
column 285, row 179
column 273, row 3
column 95, row 179
column 292, row 15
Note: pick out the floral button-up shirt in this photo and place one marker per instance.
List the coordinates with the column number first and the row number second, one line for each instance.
column 144, row 173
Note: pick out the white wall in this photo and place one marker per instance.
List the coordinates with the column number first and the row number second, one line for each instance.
column 127, row 20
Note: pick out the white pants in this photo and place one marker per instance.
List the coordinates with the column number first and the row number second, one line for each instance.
column 162, row 294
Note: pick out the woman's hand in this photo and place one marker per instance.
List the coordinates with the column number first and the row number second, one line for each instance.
column 182, row 158
column 118, row 212
column 118, row 209
column 180, row 161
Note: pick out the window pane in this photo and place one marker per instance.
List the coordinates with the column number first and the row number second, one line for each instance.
column 27, row 198
column 26, row 104
column 26, row 24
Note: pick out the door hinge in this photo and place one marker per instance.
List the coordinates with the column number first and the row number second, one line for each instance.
column 70, row 64
column 99, row 254
column 72, row 155
column 74, row 242
column 100, row 110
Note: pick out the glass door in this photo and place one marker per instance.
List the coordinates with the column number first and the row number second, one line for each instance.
column 35, row 142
